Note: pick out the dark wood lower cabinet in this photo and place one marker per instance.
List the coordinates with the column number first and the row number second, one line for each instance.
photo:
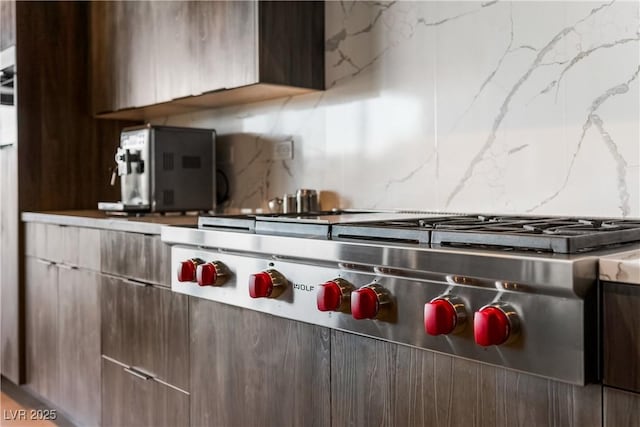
column 129, row 400
column 41, row 307
column 621, row 335
column 252, row 369
column 146, row 327
column 621, row 408
column 136, row 256
column 383, row 384
column 79, row 344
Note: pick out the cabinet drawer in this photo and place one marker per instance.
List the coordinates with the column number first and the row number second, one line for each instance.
column 81, row 247
column 44, row 241
column 130, row 399
column 146, row 327
column 136, row 256
column 621, row 329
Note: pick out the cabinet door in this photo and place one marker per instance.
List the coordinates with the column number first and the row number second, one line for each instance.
column 621, row 409
column 9, row 287
column 130, row 399
column 224, row 47
column 122, row 54
column 79, row 344
column 147, row 52
column 379, row 383
column 41, row 332
column 621, row 332
column 250, row 369
column 146, row 327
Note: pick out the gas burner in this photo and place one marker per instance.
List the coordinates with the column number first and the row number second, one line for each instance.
column 308, row 224
column 565, row 235
column 525, row 233
column 557, row 235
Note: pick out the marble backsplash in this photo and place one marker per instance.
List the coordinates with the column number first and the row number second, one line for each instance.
column 514, row 107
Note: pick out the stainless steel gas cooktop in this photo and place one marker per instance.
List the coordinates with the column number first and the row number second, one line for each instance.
column 513, row 291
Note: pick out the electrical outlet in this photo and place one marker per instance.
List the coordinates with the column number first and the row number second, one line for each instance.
column 283, row 150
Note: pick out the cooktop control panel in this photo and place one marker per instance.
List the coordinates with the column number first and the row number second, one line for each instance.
column 487, row 321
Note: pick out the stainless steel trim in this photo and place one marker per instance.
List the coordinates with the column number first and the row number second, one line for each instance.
column 549, row 274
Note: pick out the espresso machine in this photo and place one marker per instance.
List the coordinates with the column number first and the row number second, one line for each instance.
column 164, row 169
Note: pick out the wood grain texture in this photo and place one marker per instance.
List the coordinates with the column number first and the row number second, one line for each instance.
column 379, row 383
column 34, row 239
column 621, row 409
column 242, row 95
column 291, row 48
column 147, row 52
column 146, row 327
column 81, row 247
column 41, row 328
column 225, row 45
column 122, row 52
column 62, row 151
column 621, row 336
column 118, row 312
column 79, row 344
column 252, row 369
column 11, row 313
column 7, row 23
column 195, row 52
column 136, row 256
column 131, row 401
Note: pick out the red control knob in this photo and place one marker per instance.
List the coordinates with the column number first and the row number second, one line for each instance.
column 367, row 301
column 440, row 317
column 187, row 270
column 494, row 325
column 263, row 285
column 333, row 295
column 210, row 274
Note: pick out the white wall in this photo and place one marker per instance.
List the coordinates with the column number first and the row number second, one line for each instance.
column 455, row 106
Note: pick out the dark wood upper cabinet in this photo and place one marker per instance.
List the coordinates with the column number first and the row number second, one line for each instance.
column 159, row 58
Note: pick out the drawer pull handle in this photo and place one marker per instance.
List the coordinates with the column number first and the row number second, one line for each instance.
column 137, row 374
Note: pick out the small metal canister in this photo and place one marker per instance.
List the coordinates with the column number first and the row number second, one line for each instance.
column 289, row 203
column 307, row 200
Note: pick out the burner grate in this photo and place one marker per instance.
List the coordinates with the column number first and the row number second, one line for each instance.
column 558, row 235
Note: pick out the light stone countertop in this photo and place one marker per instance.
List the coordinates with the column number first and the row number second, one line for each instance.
column 147, row 224
column 623, row 267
